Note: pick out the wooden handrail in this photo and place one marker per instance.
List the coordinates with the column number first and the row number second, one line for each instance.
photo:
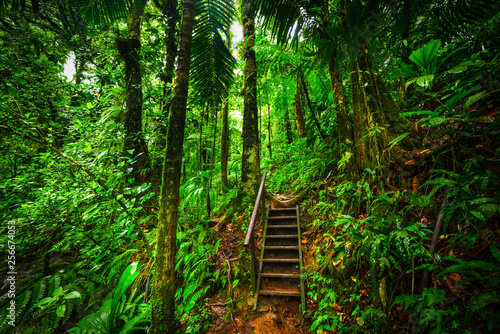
column 255, row 210
column 250, row 239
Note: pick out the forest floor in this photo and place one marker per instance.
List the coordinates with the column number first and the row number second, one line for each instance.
column 273, row 316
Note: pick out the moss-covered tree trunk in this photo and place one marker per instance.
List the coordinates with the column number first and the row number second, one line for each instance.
column 169, row 9
column 164, row 320
column 299, row 114
column 134, row 146
column 344, row 122
column 224, row 147
column 376, row 120
column 250, row 164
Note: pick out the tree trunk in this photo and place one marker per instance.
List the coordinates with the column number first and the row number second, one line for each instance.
column 134, row 146
column 164, row 320
column 376, row 122
column 169, row 9
column 344, row 122
column 313, row 114
column 209, row 206
column 269, row 145
column 288, row 128
column 224, row 153
column 250, row 164
column 299, row 115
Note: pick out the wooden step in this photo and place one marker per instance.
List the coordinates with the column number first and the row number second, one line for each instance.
column 281, row 217
column 281, row 260
column 284, row 236
column 286, row 209
column 286, row 293
column 280, row 275
column 281, row 226
column 281, row 247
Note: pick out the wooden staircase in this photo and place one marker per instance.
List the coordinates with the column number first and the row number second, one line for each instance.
column 280, row 266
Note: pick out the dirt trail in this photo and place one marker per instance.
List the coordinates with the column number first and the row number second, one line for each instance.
column 274, row 315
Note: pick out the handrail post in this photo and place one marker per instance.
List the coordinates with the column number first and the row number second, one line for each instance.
column 249, row 238
column 254, row 263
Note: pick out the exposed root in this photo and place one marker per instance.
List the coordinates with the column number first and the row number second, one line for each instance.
column 288, row 203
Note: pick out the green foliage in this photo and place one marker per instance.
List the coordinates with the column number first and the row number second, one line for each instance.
column 471, row 207
column 117, row 313
column 430, row 311
column 197, row 246
column 50, row 302
column 296, row 166
column 425, row 65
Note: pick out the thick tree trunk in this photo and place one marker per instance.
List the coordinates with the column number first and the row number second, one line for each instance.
column 299, row 115
column 134, row 146
column 224, row 153
column 164, row 284
column 344, row 122
column 169, row 9
column 376, row 122
column 250, row 164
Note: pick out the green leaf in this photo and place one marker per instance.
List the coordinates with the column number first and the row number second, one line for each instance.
column 495, row 251
column 477, row 214
column 73, row 295
column 478, row 302
column 426, row 57
column 476, row 97
column 398, row 139
column 60, row 310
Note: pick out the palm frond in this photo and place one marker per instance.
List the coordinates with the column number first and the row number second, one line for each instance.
column 100, row 12
column 212, row 63
column 459, row 18
column 287, row 17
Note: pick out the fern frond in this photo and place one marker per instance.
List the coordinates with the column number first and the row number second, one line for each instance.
column 38, row 293
column 23, row 304
column 131, row 324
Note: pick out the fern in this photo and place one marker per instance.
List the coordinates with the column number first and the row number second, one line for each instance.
column 4, row 321
column 54, row 283
column 428, row 307
column 23, row 304
column 38, row 293
column 132, row 323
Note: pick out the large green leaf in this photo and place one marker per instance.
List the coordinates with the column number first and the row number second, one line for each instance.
column 128, row 276
column 426, row 57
